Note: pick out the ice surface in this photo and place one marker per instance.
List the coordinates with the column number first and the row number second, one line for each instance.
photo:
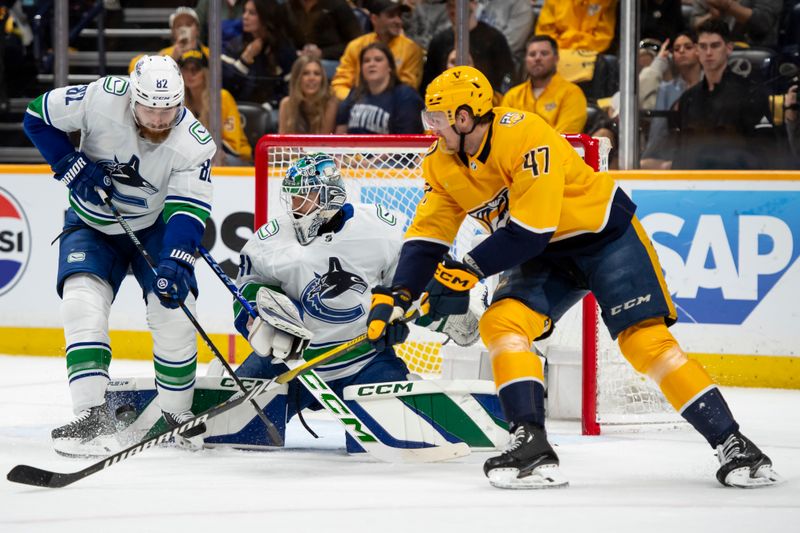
column 642, row 482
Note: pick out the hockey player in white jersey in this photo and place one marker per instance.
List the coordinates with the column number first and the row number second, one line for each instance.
column 323, row 253
column 152, row 157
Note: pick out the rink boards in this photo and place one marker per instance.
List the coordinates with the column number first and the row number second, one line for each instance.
column 728, row 242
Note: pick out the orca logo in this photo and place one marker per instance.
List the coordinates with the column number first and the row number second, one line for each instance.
column 722, row 251
column 127, row 174
column 15, row 241
column 335, row 282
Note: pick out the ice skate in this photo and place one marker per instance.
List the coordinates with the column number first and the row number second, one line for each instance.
column 91, row 433
column 192, row 438
column 528, row 463
column 743, row 465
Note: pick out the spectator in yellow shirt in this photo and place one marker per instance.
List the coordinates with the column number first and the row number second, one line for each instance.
column 385, row 16
column 185, row 27
column 194, row 69
column 559, row 102
column 582, row 30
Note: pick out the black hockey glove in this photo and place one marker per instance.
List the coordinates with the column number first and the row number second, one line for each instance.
column 175, row 277
column 384, row 329
column 81, row 176
column 448, row 291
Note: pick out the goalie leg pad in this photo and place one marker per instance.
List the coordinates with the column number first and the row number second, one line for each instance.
column 408, row 413
column 85, row 305
column 174, row 353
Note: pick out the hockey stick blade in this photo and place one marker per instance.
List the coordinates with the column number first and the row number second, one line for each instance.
column 433, row 454
column 37, row 477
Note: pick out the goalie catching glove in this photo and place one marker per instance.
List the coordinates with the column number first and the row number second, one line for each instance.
column 278, row 330
column 384, row 327
column 448, row 292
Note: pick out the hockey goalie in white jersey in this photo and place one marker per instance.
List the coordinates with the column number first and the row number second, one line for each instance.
column 324, row 254
column 152, row 157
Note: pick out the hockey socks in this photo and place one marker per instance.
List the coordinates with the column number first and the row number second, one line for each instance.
column 709, row 414
column 523, row 401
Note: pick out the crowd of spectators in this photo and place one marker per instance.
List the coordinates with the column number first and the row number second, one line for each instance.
column 362, row 66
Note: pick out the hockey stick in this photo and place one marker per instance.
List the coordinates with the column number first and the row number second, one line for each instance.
column 31, row 475
column 274, row 434
column 317, row 387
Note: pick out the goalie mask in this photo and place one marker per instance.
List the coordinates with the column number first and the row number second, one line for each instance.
column 312, row 193
column 156, row 93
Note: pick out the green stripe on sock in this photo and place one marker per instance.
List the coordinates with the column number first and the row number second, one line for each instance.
column 175, row 375
column 88, row 359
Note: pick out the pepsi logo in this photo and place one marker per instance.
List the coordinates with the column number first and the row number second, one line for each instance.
column 15, row 241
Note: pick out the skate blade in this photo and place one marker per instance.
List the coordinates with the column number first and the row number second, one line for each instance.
column 765, row 476
column 191, row 444
column 98, row 447
column 542, row 477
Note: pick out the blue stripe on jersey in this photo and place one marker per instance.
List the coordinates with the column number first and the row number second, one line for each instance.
column 187, row 200
column 44, row 109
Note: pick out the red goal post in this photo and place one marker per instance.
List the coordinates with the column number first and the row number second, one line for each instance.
column 386, row 169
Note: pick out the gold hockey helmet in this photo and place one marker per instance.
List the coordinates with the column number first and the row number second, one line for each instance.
column 456, row 87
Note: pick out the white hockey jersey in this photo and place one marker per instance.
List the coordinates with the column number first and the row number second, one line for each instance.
column 330, row 278
column 173, row 176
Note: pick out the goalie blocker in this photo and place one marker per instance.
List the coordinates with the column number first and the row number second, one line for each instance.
column 401, row 414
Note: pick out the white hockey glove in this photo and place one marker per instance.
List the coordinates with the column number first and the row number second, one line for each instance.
column 278, row 330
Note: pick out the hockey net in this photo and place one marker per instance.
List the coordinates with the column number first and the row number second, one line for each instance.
column 386, row 169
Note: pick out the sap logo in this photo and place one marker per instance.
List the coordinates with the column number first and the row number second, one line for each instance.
column 384, row 388
column 630, row 304
column 15, row 241
column 722, row 251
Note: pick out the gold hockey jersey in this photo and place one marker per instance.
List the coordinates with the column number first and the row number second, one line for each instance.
column 524, row 172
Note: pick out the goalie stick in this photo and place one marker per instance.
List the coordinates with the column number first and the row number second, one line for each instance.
column 274, row 434
column 326, row 397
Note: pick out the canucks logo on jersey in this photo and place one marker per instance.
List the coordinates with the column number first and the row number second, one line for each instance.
column 128, row 174
column 335, row 282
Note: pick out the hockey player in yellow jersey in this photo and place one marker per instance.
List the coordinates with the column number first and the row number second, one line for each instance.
column 557, row 231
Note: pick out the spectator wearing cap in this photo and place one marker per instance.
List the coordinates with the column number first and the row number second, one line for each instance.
column 559, row 102
column 386, row 18
column 194, row 69
column 487, row 46
column 185, row 28
column 321, row 29
column 754, row 22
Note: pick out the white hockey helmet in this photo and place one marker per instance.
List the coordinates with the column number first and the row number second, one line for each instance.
column 156, row 92
column 312, row 193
